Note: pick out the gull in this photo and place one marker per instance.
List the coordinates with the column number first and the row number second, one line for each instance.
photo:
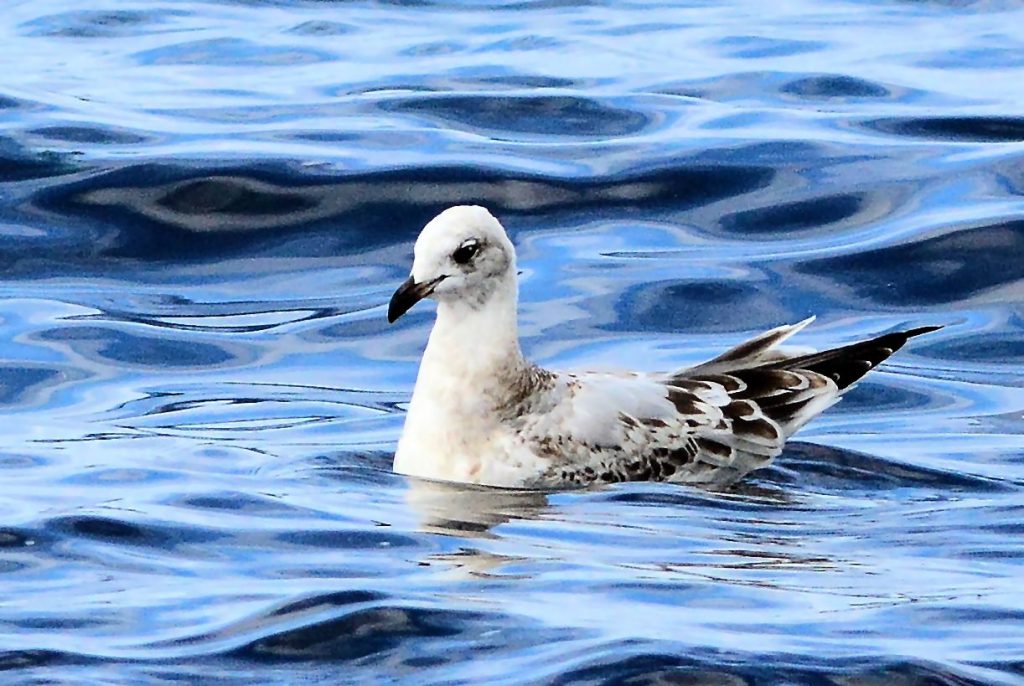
column 481, row 413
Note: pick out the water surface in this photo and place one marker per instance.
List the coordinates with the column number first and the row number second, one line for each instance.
column 204, row 208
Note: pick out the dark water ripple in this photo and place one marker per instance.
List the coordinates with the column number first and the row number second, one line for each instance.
column 966, row 129
column 205, row 205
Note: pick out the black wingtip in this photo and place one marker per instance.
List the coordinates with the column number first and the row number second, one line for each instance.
column 922, row 330
column 846, row 365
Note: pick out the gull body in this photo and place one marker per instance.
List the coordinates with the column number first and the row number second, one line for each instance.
column 481, row 413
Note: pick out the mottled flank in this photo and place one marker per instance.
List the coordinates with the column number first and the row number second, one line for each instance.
column 481, row 413
column 520, row 394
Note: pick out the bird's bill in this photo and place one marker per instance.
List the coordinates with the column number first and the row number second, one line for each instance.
column 407, row 295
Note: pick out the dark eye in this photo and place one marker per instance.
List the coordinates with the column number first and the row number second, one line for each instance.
column 465, row 252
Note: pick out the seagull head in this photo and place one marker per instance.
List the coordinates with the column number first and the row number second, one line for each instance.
column 462, row 256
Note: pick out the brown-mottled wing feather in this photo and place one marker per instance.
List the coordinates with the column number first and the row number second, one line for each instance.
column 769, row 401
column 711, row 424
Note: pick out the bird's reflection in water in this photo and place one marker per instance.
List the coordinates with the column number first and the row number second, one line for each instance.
column 470, row 511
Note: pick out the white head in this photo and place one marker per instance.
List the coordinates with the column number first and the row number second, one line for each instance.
column 462, row 256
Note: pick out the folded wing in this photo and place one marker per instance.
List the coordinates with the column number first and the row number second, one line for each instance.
column 712, row 423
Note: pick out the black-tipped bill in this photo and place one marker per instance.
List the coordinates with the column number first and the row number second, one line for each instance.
column 408, row 294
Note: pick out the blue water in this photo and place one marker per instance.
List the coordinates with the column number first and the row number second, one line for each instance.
column 204, row 208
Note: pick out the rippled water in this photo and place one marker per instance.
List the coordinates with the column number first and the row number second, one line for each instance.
column 205, row 206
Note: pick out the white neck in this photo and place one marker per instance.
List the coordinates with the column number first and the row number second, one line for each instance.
column 471, row 362
column 477, row 343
